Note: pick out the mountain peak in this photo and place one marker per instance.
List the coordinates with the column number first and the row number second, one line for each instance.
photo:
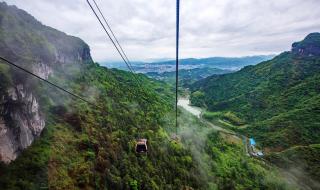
column 309, row 46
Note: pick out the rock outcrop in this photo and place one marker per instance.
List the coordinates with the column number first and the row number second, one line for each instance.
column 308, row 47
column 20, row 122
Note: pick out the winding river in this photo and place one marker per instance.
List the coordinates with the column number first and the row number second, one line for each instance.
column 185, row 104
column 196, row 111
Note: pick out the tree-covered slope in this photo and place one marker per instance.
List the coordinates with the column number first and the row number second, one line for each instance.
column 280, row 98
column 302, row 161
column 84, row 147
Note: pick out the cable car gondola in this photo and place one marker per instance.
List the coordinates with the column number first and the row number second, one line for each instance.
column 141, row 146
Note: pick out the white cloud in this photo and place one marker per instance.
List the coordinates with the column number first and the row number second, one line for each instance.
column 146, row 28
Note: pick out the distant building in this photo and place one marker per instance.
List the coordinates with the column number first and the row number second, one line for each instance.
column 254, row 150
column 252, row 142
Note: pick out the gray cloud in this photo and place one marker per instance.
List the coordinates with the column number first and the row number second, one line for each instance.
column 146, row 28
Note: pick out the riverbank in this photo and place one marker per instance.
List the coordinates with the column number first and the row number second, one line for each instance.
column 229, row 135
column 185, row 104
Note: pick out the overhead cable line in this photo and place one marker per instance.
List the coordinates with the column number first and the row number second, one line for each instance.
column 113, row 42
column 177, row 60
column 50, row 83
column 112, row 33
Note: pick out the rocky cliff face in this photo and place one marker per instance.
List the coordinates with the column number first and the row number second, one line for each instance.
column 309, row 47
column 42, row 50
column 20, row 122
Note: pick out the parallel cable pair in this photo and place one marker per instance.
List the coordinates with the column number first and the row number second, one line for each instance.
column 113, row 38
column 123, row 54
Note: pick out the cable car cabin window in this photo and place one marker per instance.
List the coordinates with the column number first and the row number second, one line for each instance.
column 141, row 146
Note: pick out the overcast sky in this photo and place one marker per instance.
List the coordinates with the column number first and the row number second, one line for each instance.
column 146, row 28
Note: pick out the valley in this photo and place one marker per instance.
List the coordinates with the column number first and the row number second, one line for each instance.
column 275, row 101
column 228, row 135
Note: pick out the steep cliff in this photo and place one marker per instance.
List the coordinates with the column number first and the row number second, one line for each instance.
column 309, row 47
column 42, row 50
column 21, row 121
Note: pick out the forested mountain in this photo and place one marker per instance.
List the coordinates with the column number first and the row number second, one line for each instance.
column 276, row 101
column 49, row 140
column 279, row 97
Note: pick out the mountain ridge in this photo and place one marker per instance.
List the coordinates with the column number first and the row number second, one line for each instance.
column 270, row 91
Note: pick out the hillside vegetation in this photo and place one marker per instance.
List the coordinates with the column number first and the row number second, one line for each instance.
column 280, row 98
column 302, row 161
column 277, row 102
column 84, row 147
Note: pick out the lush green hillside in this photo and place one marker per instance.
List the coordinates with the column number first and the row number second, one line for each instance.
column 82, row 143
column 89, row 148
column 302, row 161
column 280, row 98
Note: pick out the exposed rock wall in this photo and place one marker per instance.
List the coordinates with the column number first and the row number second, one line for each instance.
column 20, row 122
column 308, row 47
